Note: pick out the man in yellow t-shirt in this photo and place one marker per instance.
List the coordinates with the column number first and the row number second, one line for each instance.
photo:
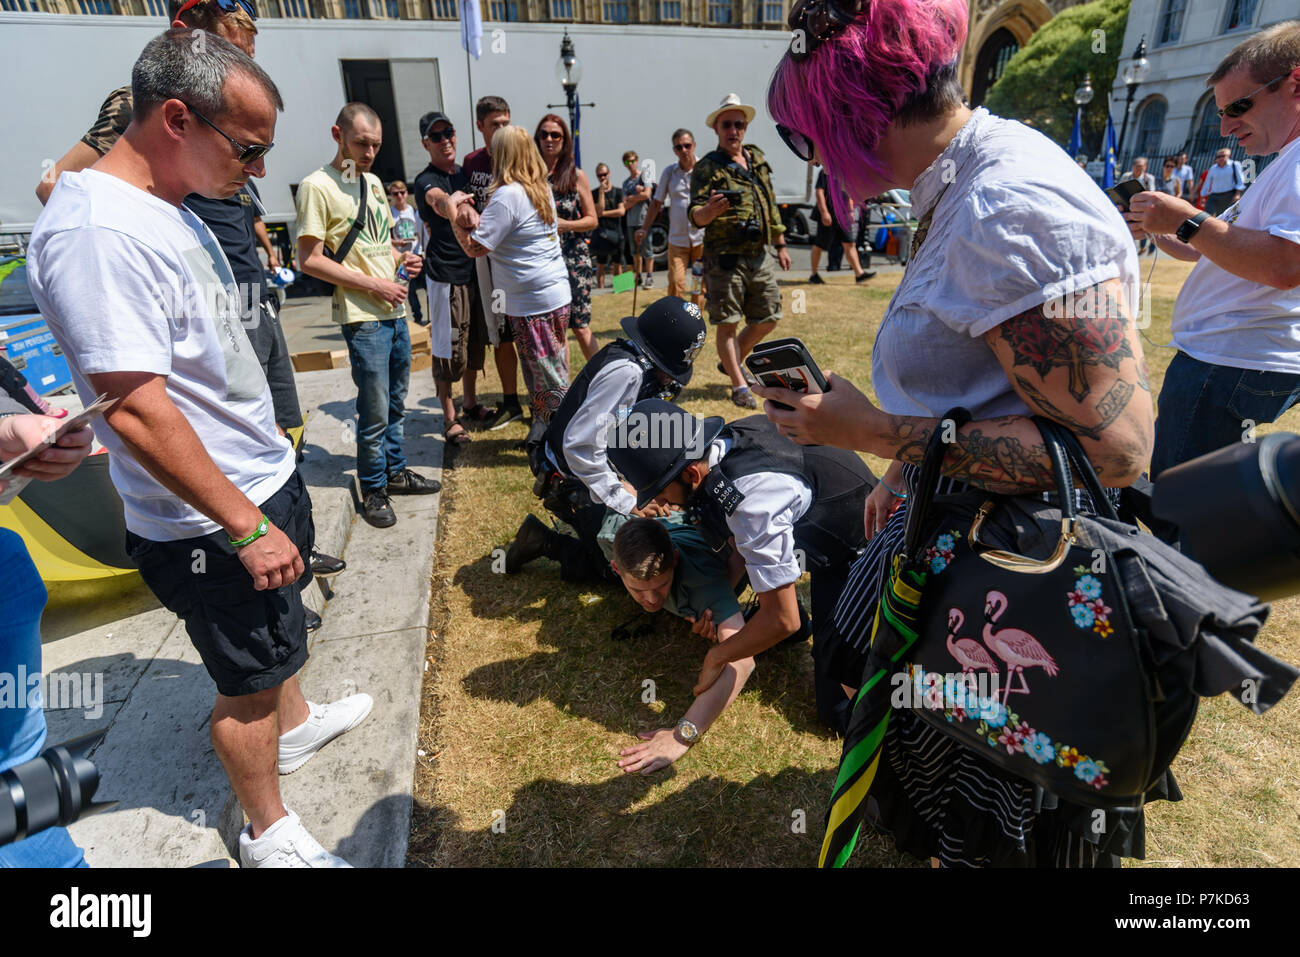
column 369, row 302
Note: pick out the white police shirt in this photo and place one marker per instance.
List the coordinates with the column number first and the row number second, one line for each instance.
column 613, row 387
column 763, row 523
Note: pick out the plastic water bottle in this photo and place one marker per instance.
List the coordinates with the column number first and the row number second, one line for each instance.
column 697, row 276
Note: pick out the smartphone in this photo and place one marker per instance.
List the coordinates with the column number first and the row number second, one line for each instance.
column 79, row 420
column 1121, row 193
column 786, row 364
column 732, row 195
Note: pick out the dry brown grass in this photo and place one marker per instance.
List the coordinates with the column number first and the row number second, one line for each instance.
column 527, row 700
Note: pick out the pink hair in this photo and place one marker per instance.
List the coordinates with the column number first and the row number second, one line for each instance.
column 845, row 95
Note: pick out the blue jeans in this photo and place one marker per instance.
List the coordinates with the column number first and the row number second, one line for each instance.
column 1204, row 407
column 380, row 352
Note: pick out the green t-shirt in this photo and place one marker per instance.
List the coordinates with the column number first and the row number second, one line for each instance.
column 327, row 205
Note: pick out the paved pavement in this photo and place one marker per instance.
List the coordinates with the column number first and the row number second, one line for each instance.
column 177, row 809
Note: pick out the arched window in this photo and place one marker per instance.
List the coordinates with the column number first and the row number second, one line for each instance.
column 1206, row 135
column 993, row 57
column 1151, row 128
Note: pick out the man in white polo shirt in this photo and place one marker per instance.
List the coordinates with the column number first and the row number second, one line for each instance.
column 1237, row 320
column 685, row 241
column 144, row 304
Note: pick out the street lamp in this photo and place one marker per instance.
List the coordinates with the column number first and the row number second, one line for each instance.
column 1134, row 74
column 1082, row 97
column 568, row 70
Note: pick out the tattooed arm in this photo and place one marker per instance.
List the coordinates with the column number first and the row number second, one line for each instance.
column 1078, row 361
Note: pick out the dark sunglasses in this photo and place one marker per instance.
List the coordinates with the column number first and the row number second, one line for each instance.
column 225, row 6
column 814, row 21
column 1239, row 107
column 799, row 144
column 397, row 192
column 440, row 135
column 733, row 124
column 549, row 135
column 678, row 147
column 247, row 153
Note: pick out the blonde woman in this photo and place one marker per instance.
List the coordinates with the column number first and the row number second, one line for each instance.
column 517, row 230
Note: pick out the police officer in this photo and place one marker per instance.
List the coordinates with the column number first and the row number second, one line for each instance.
column 747, row 483
column 574, row 479
column 732, row 197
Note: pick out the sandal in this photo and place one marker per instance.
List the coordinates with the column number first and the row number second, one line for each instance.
column 457, row 438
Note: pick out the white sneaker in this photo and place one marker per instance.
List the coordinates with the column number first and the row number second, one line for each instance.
column 285, row 843
column 324, row 723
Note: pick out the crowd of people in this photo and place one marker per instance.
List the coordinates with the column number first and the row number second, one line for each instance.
column 682, row 512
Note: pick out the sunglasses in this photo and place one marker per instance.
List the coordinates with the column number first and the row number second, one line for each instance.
column 247, row 154
column 549, row 135
column 1239, row 107
column 799, row 144
column 440, row 135
column 733, row 124
column 225, row 6
column 397, row 192
column 678, row 147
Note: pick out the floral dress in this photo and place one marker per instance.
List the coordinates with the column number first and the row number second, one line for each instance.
column 577, row 257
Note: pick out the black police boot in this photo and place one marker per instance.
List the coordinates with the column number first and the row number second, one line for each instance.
column 533, row 540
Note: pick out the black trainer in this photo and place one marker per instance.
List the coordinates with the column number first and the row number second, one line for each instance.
column 530, row 542
column 376, row 510
column 310, row 619
column 407, row 482
column 322, row 564
column 867, row 274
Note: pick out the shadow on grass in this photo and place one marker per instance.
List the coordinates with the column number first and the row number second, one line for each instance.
column 634, row 820
column 594, row 676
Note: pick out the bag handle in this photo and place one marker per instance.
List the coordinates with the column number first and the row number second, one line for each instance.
column 1081, row 465
column 931, row 469
column 1012, row 561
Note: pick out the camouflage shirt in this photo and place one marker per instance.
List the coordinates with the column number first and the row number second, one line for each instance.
column 114, row 118
column 726, row 234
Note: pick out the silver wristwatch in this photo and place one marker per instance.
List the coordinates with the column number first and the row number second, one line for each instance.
column 686, row 732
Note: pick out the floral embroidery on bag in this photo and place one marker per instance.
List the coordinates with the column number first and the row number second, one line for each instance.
column 939, row 555
column 1086, row 605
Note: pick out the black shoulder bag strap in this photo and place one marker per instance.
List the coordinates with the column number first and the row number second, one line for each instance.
column 350, row 239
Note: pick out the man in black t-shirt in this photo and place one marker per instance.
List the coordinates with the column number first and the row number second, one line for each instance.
column 832, row 237
column 458, row 328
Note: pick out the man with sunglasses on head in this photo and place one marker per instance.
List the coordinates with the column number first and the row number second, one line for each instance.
column 733, row 201
column 685, row 242
column 235, row 220
column 143, row 303
column 1236, row 322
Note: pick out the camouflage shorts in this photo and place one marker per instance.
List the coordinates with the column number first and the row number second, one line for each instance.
column 741, row 287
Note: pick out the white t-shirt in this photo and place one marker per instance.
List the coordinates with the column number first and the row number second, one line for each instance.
column 674, row 191
column 408, row 228
column 1018, row 224
column 130, row 283
column 1230, row 321
column 527, row 263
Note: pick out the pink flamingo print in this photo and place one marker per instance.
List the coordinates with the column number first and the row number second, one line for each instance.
column 1019, row 649
column 968, row 652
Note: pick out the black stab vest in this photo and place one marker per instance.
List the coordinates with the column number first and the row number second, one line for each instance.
column 577, row 395
column 830, row 532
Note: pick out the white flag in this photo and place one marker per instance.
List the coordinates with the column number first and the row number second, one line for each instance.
column 471, row 27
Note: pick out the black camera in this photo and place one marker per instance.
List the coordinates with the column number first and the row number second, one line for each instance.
column 752, row 230
column 55, row 788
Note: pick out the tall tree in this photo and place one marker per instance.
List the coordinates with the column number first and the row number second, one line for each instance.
column 1038, row 83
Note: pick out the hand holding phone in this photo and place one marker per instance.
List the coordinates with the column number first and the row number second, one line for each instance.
column 786, row 364
column 1121, row 193
column 732, row 195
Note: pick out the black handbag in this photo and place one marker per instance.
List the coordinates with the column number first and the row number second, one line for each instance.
column 1038, row 663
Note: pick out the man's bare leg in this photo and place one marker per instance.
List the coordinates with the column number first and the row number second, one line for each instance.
column 751, row 336
column 246, row 737
column 507, row 363
column 729, row 354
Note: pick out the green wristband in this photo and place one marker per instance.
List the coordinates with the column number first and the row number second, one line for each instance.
column 263, row 527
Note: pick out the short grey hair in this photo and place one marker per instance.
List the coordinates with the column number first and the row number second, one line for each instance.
column 192, row 66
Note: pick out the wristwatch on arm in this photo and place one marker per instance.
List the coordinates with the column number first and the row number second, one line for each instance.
column 1190, row 227
column 686, row 732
